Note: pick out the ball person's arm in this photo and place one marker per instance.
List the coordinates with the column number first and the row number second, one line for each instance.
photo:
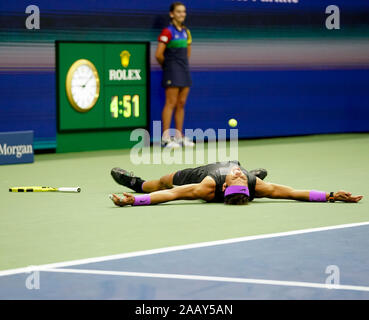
column 203, row 190
column 159, row 55
column 189, row 43
column 276, row 191
column 189, row 48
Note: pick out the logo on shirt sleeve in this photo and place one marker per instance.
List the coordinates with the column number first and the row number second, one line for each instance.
column 164, row 38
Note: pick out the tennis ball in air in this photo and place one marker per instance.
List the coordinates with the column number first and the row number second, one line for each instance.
column 232, row 123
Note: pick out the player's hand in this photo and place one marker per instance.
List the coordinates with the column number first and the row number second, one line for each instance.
column 127, row 199
column 346, row 196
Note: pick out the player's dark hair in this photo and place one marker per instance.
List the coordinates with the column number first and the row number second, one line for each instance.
column 236, row 198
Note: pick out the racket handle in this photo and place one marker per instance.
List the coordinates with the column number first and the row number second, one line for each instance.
column 66, row 189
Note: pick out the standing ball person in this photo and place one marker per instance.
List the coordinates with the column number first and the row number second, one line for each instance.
column 173, row 53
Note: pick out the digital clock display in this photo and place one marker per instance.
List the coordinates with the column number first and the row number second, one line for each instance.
column 125, row 107
column 128, row 107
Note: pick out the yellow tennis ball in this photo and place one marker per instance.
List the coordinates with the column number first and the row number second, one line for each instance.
column 232, row 123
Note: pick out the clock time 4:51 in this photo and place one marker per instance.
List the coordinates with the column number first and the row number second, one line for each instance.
column 128, row 107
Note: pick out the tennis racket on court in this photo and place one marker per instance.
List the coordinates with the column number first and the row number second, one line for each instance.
column 44, row 189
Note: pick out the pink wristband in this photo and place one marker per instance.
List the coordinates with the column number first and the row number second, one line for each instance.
column 317, row 196
column 143, row 200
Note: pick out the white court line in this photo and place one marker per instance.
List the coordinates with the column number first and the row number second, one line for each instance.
column 210, row 278
column 176, row 248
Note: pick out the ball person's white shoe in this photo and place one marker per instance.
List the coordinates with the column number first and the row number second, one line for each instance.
column 169, row 143
column 184, row 141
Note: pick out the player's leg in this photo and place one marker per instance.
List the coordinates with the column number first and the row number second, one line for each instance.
column 165, row 182
column 129, row 180
column 178, row 178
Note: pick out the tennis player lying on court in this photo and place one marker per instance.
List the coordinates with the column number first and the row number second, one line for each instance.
column 226, row 182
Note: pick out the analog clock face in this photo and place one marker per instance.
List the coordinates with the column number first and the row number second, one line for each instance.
column 83, row 85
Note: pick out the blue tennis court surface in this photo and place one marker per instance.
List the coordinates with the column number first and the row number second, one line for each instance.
column 286, row 266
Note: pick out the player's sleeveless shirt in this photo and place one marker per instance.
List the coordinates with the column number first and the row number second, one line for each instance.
column 217, row 171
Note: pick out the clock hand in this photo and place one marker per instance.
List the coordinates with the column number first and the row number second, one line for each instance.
column 87, row 82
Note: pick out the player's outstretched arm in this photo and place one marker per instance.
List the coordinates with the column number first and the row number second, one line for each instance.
column 276, row 191
column 201, row 190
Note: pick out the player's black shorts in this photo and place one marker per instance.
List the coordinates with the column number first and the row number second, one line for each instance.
column 188, row 176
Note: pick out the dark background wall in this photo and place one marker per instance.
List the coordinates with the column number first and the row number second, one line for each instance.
column 273, row 66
